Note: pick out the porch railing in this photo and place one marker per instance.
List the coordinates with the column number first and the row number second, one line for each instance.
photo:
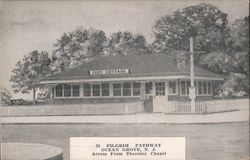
column 184, row 107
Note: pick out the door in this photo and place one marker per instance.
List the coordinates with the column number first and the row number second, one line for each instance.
column 148, row 102
column 160, row 99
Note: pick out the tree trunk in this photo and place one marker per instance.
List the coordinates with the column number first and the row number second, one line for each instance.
column 34, row 95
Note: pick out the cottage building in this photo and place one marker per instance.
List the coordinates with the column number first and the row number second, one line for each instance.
column 152, row 79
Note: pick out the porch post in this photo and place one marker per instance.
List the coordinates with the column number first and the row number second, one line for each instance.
column 81, row 89
column 111, row 89
column 143, row 89
column 165, row 109
column 153, row 85
column 1, row 97
column 52, row 91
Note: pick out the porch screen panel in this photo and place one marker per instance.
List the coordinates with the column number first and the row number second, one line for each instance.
column 126, row 89
column 105, row 89
column 204, row 87
column 149, row 87
column 188, row 86
column 183, row 87
column 59, row 89
column 76, row 90
column 86, row 90
column 117, row 89
column 67, row 90
column 209, row 87
column 160, row 88
column 136, row 89
column 96, row 88
column 196, row 87
column 172, row 87
column 200, row 87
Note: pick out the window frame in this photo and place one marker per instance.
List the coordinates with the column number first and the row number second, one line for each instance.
column 108, row 89
column 90, row 90
column 206, row 82
column 176, row 87
column 67, row 90
column 124, row 89
column 63, row 90
column 55, row 91
column 160, row 87
column 72, row 90
column 93, row 90
column 206, row 94
column 211, row 88
column 151, row 91
column 113, row 90
column 136, row 89
column 185, row 88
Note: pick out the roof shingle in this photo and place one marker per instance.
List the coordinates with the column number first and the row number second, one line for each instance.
column 139, row 65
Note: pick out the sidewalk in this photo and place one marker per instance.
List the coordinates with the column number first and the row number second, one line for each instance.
column 235, row 116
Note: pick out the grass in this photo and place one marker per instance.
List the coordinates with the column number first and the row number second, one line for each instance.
column 228, row 141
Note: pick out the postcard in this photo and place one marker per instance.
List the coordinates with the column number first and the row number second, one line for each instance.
column 124, row 80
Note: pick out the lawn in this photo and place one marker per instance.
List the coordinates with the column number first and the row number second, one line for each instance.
column 227, row 141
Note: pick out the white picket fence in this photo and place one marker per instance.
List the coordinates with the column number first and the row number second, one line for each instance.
column 184, row 107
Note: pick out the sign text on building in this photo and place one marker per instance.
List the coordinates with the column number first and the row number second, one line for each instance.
column 108, row 72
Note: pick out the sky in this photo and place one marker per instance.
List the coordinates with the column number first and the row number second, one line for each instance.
column 36, row 25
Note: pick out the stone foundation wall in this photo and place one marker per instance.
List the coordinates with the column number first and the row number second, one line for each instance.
column 227, row 105
column 94, row 100
column 75, row 109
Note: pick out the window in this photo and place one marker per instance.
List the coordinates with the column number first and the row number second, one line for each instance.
column 159, row 88
column 105, row 89
column 86, row 90
column 96, row 88
column 204, row 87
column 200, row 87
column 149, row 88
column 172, row 87
column 196, row 87
column 209, row 87
column 59, row 88
column 188, row 86
column 76, row 90
column 67, row 90
column 136, row 89
column 183, row 87
column 117, row 89
column 127, row 89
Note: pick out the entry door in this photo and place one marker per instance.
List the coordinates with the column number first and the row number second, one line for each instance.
column 160, row 99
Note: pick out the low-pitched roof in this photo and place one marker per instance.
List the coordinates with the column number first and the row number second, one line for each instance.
column 139, row 65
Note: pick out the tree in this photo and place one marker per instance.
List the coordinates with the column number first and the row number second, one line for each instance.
column 75, row 47
column 205, row 22
column 239, row 35
column 218, row 62
column 27, row 73
column 234, row 60
column 126, row 43
column 81, row 45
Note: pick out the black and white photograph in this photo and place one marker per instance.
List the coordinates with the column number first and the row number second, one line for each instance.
column 124, row 79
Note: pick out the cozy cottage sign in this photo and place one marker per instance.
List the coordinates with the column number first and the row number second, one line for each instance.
column 108, row 72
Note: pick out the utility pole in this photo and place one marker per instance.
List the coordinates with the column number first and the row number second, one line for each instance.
column 192, row 94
